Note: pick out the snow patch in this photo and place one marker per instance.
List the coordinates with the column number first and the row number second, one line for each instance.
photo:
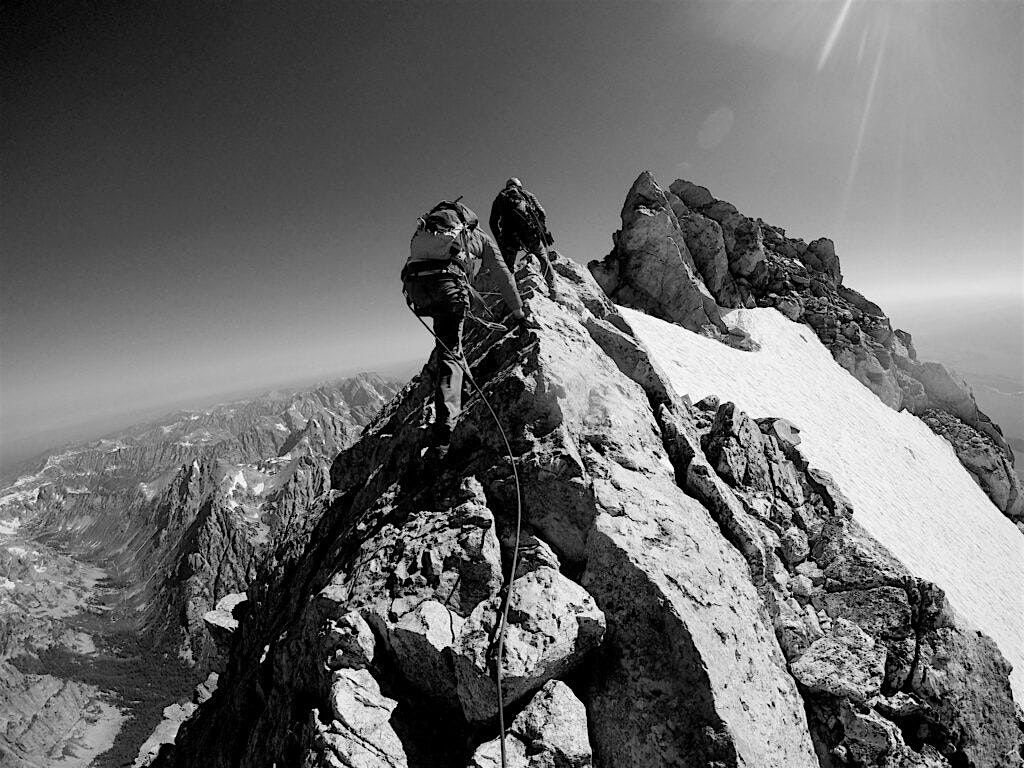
column 10, row 526
column 905, row 483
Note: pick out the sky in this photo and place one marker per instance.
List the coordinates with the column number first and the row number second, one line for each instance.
column 208, row 197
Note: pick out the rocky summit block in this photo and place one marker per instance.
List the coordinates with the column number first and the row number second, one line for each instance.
column 651, row 266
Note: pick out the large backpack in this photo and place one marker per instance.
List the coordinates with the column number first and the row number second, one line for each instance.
column 516, row 212
column 441, row 231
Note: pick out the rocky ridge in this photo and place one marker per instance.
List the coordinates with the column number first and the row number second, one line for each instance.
column 680, row 247
column 691, row 591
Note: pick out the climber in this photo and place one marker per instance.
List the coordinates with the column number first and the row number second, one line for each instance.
column 447, row 251
column 519, row 222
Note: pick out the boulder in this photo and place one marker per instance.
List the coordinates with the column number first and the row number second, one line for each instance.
column 348, row 639
column 359, row 734
column 857, row 299
column 704, row 241
column 447, row 551
column 869, row 738
column 735, row 447
column 855, row 560
column 222, row 618
column 728, row 218
column 747, row 254
column 552, row 624
column 821, row 257
column 882, row 612
column 846, row 662
column 691, row 194
column 791, row 307
column 421, row 643
column 550, row 732
column 945, row 390
column 794, row 546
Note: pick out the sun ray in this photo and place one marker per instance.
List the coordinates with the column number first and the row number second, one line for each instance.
column 865, row 116
column 833, row 35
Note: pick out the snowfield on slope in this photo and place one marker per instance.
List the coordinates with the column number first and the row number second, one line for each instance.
column 905, row 483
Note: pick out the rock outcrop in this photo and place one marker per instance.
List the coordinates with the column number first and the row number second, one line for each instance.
column 651, row 267
column 691, row 592
column 744, row 262
column 551, row 732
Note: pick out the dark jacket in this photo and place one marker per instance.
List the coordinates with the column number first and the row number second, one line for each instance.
column 506, row 223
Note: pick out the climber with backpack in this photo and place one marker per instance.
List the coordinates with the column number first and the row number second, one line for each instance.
column 519, row 222
column 447, row 251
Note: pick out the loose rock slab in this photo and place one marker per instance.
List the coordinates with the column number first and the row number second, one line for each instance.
column 550, row 733
column 552, row 623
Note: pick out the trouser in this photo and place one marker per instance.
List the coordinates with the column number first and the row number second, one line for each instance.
column 511, row 244
column 445, row 298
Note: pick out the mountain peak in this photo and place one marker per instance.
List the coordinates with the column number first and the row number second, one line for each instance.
column 700, row 588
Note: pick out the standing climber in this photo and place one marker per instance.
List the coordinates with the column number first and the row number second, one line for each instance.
column 519, row 223
column 447, row 251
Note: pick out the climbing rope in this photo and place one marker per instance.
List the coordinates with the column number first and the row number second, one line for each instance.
column 507, row 599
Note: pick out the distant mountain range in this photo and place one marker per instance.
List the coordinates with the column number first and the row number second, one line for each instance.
column 131, row 538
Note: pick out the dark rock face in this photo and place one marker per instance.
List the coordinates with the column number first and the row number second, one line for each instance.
column 691, row 591
column 745, row 262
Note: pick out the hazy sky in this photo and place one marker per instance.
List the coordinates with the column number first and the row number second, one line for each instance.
column 199, row 197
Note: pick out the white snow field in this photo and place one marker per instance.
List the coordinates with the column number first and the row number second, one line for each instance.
column 905, row 483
